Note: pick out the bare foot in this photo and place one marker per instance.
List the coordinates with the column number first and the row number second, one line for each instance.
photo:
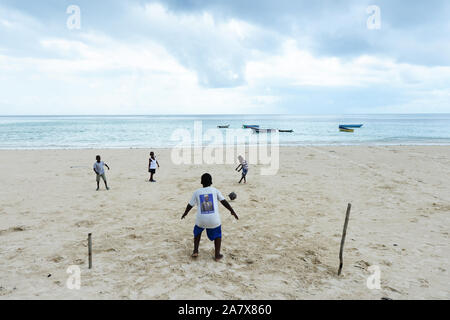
column 194, row 255
column 220, row 256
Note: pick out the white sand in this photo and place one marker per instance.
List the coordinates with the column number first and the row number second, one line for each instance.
column 285, row 245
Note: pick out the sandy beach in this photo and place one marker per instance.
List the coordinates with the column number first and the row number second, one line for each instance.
column 285, row 245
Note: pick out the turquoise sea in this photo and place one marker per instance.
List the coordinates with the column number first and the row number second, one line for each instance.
column 67, row 132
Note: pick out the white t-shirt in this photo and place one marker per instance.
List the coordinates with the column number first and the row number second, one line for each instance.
column 153, row 163
column 98, row 167
column 207, row 202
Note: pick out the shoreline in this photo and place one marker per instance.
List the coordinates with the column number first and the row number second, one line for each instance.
column 231, row 146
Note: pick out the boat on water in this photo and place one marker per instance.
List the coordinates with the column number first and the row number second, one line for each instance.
column 342, row 129
column 350, row 126
column 224, row 127
column 257, row 130
column 250, row 126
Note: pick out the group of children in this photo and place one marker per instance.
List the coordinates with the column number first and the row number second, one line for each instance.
column 206, row 199
column 152, row 164
column 99, row 169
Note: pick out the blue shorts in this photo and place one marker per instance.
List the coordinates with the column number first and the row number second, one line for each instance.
column 244, row 171
column 213, row 234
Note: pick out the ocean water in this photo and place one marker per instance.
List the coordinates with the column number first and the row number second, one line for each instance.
column 67, row 132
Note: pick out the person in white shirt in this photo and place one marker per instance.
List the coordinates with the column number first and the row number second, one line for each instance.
column 207, row 201
column 100, row 171
column 244, row 167
column 152, row 163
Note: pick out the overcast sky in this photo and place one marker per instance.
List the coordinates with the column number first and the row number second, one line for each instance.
column 224, row 56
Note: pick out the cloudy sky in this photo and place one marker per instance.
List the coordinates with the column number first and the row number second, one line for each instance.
column 224, row 56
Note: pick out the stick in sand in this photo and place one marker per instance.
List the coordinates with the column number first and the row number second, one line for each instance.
column 343, row 238
column 90, row 249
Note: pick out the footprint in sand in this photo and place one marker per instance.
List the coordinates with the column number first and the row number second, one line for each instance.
column 56, row 259
column 424, row 283
column 379, row 246
column 311, row 257
column 362, row 264
column 386, row 263
column 13, row 229
column 393, row 289
column 133, row 236
column 233, row 256
column 84, row 223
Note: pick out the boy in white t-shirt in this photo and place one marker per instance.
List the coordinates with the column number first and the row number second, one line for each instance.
column 100, row 171
column 243, row 165
column 207, row 201
column 152, row 163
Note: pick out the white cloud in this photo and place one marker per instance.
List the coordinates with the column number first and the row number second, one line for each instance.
column 5, row 23
column 216, row 49
column 78, row 56
column 113, row 78
column 196, row 62
column 17, row 20
column 297, row 67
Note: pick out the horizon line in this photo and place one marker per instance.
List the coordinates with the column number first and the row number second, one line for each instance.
column 219, row 114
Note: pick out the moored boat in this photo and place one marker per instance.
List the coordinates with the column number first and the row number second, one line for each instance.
column 350, row 125
column 257, row 130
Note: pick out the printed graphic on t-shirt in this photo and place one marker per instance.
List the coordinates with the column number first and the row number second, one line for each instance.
column 206, row 203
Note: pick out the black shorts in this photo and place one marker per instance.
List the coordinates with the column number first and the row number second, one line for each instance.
column 152, row 170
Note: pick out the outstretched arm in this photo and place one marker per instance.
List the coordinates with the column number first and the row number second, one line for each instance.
column 238, row 167
column 228, row 206
column 106, row 166
column 188, row 208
